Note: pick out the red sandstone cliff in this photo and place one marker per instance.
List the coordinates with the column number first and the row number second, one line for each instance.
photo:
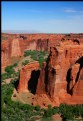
column 5, row 53
column 16, row 44
column 61, row 77
column 29, row 71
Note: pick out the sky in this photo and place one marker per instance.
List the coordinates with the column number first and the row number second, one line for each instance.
column 42, row 17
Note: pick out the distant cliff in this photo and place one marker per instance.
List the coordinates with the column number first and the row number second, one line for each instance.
column 13, row 45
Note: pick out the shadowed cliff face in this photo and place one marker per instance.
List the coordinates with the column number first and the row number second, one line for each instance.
column 74, row 75
column 32, row 83
column 42, row 44
column 68, row 78
column 80, row 61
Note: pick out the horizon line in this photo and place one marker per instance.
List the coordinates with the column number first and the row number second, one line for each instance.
column 8, row 32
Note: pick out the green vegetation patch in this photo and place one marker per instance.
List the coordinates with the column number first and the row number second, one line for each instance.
column 25, row 62
column 36, row 55
column 10, row 72
column 16, row 111
column 67, row 112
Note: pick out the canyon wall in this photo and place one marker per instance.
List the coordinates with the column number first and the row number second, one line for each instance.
column 5, row 53
column 61, row 77
column 16, row 44
column 15, row 48
column 61, row 60
column 28, row 75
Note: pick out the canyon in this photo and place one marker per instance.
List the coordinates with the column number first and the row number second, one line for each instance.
column 60, row 80
column 14, row 45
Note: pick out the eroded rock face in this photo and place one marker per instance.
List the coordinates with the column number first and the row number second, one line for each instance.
column 78, row 78
column 5, row 54
column 61, row 78
column 42, row 44
column 15, row 49
column 29, row 75
column 41, row 87
column 18, row 43
column 64, row 71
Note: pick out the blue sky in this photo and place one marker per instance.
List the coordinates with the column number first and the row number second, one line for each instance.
column 43, row 17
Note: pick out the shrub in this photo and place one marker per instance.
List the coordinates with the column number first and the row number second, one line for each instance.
column 35, row 57
column 16, row 74
column 41, row 60
column 15, row 65
column 77, row 110
column 69, row 111
column 9, row 70
column 27, row 53
column 37, row 107
column 4, row 76
column 48, row 113
column 25, row 62
column 49, row 106
column 56, row 110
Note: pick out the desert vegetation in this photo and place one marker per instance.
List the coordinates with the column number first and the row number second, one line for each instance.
column 37, row 55
column 10, row 72
column 25, row 62
column 12, row 111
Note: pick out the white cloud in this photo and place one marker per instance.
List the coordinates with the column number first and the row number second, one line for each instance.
column 70, row 10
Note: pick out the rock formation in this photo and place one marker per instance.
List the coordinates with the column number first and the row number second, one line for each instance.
column 16, row 50
column 61, row 78
column 5, row 54
column 29, row 77
column 18, row 43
